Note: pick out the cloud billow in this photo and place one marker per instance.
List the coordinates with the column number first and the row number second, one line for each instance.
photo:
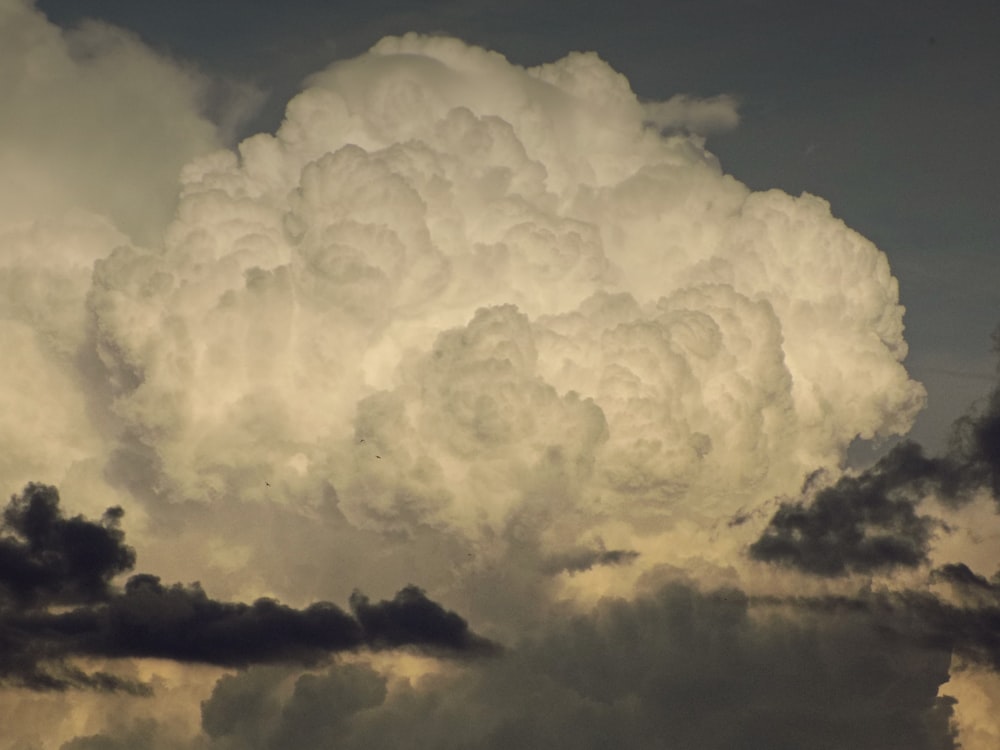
column 422, row 256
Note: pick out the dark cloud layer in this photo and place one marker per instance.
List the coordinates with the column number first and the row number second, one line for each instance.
column 678, row 668
column 921, row 618
column 54, row 560
column 410, row 618
column 673, row 664
column 962, row 576
column 869, row 522
column 859, row 524
column 975, row 443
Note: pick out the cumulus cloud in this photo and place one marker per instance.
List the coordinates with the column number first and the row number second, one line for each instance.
column 96, row 128
column 493, row 276
column 95, row 120
column 457, row 322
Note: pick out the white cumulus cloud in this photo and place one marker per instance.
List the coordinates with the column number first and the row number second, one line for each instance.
column 480, row 270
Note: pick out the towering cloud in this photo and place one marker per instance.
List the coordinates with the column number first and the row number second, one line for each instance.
column 504, row 341
column 449, row 285
column 94, row 132
column 82, row 108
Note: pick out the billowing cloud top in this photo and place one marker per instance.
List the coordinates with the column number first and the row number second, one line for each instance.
column 449, row 285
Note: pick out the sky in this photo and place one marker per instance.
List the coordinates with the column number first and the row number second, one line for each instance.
column 486, row 375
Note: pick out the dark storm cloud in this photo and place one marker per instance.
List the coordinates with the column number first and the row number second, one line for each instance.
column 183, row 623
column 959, row 574
column 978, row 614
column 410, row 618
column 242, row 706
column 52, row 560
column 921, row 618
column 869, row 522
column 972, row 632
column 975, row 444
column 859, row 524
column 677, row 668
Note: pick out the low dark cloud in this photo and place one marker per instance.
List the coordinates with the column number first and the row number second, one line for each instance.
column 48, row 559
column 183, row 623
column 52, row 560
column 969, row 631
column 921, row 618
column 677, row 668
column 860, row 524
column 243, row 709
column 410, row 618
column 869, row 522
column 961, row 575
column 975, row 444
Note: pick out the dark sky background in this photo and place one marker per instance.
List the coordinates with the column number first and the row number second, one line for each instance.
column 459, row 407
